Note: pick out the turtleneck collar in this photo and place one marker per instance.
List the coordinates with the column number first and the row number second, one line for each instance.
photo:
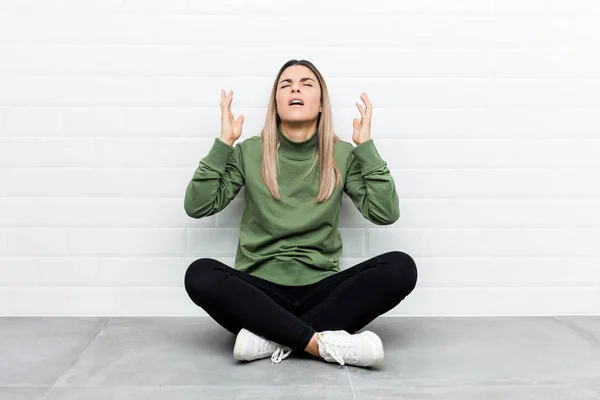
column 297, row 150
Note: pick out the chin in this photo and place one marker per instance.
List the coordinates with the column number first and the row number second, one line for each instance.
column 298, row 118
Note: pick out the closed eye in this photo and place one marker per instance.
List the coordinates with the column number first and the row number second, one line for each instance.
column 307, row 84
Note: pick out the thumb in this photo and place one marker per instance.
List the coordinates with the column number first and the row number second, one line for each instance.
column 239, row 121
column 355, row 123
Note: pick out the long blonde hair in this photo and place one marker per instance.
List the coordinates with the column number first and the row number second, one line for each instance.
column 329, row 171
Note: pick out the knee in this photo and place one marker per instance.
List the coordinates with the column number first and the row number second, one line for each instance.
column 402, row 271
column 200, row 276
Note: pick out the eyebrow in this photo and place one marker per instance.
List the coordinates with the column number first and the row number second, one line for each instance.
column 301, row 80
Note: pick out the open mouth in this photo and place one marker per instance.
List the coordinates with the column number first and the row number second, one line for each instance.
column 296, row 103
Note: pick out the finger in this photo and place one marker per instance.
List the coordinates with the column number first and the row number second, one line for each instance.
column 367, row 103
column 362, row 112
column 230, row 99
column 355, row 123
column 225, row 99
column 239, row 121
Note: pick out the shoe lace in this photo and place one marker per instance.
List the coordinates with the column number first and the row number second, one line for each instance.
column 280, row 353
column 339, row 349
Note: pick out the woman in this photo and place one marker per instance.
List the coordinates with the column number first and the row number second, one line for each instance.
column 287, row 291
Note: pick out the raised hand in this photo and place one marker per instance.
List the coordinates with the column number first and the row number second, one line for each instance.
column 362, row 128
column 231, row 128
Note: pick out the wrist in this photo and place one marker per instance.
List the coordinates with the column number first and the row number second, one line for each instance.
column 227, row 141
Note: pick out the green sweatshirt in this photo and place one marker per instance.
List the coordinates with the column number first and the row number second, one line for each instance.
column 293, row 241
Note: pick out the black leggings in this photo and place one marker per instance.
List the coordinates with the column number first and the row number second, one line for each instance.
column 290, row 315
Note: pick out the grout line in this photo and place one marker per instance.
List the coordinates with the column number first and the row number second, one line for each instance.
column 47, row 392
column 192, row 164
column 347, row 199
column 350, row 380
column 77, row 359
column 577, row 332
column 217, row 74
column 261, row 107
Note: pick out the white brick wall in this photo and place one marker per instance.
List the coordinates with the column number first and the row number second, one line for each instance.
column 487, row 112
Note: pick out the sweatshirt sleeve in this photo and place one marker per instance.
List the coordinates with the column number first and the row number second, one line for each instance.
column 217, row 180
column 371, row 186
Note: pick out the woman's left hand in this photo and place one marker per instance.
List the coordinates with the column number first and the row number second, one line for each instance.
column 362, row 129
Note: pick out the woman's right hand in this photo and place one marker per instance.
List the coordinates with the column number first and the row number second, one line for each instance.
column 231, row 128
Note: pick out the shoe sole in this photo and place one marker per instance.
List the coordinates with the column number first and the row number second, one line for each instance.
column 237, row 348
column 376, row 345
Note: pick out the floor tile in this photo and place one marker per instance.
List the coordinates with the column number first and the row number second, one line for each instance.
column 512, row 392
column 595, row 388
column 37, row 351
column 185, row 351
column 23, row 393
column 180, row 358
column 588, row 327
column 498, row 350
column 288, row 392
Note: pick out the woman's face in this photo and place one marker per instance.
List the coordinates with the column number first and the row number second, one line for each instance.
column 298, row 82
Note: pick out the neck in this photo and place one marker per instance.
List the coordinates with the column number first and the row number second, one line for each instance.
column 298, row 131
column 298, row 149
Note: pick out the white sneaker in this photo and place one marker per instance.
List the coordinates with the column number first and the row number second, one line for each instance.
column 363, row 349
column 249, row 347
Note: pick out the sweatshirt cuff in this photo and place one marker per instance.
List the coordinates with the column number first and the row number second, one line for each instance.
column 218, row 155
column 367, row 155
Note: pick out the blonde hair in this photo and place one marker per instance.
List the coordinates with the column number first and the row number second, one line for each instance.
column 329, row 171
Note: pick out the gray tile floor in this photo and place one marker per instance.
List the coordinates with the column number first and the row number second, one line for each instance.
column 191, row 358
